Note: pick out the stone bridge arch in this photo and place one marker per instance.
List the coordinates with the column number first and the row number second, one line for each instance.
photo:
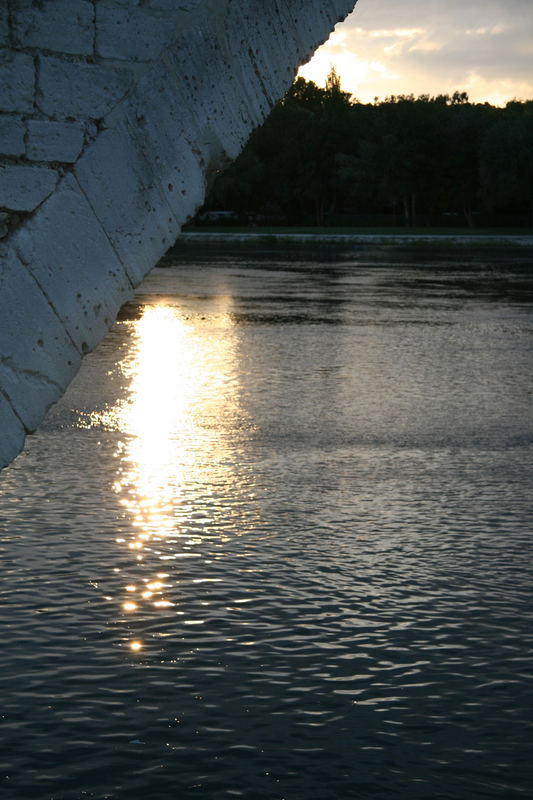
column 113, row 115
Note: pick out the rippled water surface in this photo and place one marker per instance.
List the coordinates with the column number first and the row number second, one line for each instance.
column 275, row 541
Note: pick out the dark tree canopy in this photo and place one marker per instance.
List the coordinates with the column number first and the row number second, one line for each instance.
column 325, row 158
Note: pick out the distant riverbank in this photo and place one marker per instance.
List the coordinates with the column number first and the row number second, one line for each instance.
column 481, row 237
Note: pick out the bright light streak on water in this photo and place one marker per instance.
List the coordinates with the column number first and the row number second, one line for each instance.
column 179, row 377
column 275, row 541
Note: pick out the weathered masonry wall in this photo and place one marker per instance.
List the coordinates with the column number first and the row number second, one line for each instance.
column 113, row 115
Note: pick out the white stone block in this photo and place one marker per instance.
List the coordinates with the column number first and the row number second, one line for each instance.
column 54, row 141
column 314, row 22
column 131, row 34
column 17, row 81
column 24, row 187
column 63, row 26
column 212, row 93
column 342, row 8
column 80, row 274
column 119, row 184
column 4, row 26
column 166, row 132
column 12, row 132
column 12, row 433
column 37, row 357
column 261, row 56
column 80, row 90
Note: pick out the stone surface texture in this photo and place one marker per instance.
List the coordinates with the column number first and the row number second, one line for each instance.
column 114, row 116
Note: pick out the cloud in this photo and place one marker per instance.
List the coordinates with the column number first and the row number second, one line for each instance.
column 426, row 47
column 497, row 92
column 397, row 33
column 386, row 47
column 494, row 31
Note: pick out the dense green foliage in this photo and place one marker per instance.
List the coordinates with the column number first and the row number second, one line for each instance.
column 323, row 158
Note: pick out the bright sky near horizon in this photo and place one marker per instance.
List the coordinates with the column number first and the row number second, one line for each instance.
column 483, row 47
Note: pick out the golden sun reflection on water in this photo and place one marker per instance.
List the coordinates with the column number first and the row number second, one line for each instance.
column 182, row 380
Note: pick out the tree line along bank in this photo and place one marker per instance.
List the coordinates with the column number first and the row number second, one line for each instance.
column 323, row 158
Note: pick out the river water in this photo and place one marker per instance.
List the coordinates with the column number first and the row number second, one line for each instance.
column 275, row 541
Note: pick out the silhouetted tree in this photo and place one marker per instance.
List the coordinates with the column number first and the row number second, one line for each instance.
column 507, row 160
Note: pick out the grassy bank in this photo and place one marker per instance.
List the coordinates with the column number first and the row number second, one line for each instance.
column 360, row 237
column 348, row 231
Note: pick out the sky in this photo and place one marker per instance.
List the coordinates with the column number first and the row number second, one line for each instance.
column 483, row 47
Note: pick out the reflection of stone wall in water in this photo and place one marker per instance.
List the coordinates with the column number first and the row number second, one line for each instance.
column 113, row 116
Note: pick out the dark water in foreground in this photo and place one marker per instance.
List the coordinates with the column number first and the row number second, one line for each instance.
column 275, row 542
